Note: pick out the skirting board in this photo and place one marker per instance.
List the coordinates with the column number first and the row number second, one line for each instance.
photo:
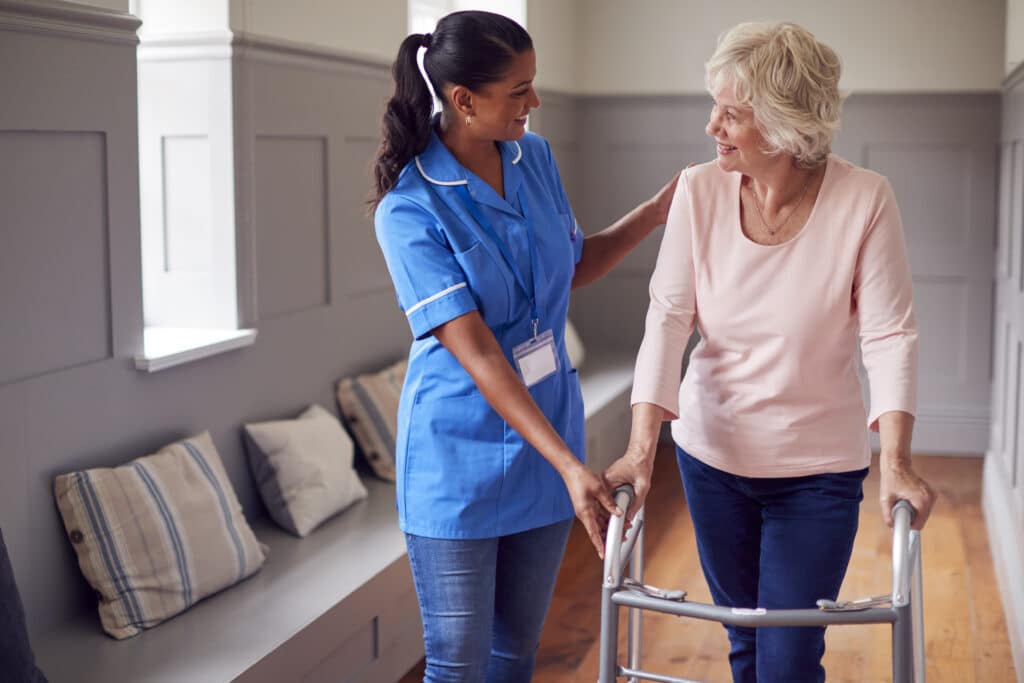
column 965, row 434
column 1004, row 533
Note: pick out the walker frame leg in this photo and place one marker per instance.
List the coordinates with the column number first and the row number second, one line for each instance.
column 636, row 571
column 917, row 604
column 608, row 666
column 902, row 647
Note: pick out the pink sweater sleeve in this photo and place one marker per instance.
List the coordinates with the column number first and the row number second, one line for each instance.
column 883, row 297
column 671, row 312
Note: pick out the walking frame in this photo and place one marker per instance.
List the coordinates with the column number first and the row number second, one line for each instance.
column 902, row 608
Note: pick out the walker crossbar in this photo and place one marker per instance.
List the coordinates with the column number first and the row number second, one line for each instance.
column 902, row 608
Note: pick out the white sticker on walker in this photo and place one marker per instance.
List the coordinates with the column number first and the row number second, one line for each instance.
column 746, row 611
column 536, row 358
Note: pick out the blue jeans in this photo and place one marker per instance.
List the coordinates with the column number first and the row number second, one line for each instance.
column 483, row 602
column 773, row 543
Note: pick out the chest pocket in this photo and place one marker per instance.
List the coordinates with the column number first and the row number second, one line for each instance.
column 554, row 240
column 487, row 282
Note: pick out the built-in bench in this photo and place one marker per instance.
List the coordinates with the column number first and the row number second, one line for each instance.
column 337, row 606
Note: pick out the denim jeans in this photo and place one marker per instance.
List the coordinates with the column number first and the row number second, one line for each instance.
column 773, row 543
column 483, row 602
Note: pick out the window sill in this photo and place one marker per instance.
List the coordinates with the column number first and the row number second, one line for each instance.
column 165, row 347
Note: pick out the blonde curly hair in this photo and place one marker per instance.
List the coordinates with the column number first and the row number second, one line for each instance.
column 789, row 79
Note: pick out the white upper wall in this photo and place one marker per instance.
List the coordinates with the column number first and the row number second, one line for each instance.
column 181, row 16
column 375, row 29
column 119, row 5
column 1014, row 34
column 553, row 25
column 660, row 46
column 370, row 28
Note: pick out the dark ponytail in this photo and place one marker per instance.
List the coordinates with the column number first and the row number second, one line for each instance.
column 470, row 49
column 406, row 124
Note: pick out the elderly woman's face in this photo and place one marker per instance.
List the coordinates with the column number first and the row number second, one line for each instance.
column 733, row 127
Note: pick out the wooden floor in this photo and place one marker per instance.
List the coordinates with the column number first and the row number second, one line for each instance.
column 966, row 639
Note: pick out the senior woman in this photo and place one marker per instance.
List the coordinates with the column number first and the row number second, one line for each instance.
column 783, row 255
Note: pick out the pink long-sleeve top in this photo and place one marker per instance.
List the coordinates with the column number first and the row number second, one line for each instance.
column 772, row 388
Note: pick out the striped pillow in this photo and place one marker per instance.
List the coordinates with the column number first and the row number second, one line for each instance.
column 369, row 404
column 158, row 534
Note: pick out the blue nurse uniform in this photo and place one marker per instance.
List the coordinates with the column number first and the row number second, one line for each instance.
column 462, row 471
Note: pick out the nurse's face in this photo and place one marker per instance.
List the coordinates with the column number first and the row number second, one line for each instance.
column 501, row 108
column 733, row 127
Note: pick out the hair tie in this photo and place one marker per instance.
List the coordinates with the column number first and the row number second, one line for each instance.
column 427, row 39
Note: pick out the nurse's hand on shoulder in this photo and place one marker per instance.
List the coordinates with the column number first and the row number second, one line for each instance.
column 592, row 502
column 659, row 204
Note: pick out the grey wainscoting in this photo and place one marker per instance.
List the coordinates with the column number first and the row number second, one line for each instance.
column 311, row 278
column 1003, row 495
column 939, row 151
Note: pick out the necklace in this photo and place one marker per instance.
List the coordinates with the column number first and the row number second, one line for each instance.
column 760, row 209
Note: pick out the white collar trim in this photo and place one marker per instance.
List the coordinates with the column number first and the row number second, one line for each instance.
column 448, row 183
column 452, row 183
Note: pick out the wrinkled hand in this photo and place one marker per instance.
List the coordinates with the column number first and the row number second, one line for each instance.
column 662, row 200
column 634, row 470
column 902, row 483
column 593, row 504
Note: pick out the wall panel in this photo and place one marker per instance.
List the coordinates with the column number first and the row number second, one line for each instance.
column 54, row 255
column 291, row 222
column 1003, row 493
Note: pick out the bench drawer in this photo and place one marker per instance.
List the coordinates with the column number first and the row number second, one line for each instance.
column 372, row 633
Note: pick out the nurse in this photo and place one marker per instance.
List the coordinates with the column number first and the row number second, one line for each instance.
column 483, row 249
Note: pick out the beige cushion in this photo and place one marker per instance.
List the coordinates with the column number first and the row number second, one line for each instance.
column 303, row 468
column 369, row 404
column 158, row 534
column 574, row 345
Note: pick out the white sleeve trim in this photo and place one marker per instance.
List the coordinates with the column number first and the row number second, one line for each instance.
column 435, row 297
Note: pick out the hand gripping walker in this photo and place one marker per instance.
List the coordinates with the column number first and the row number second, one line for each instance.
column 902, row 608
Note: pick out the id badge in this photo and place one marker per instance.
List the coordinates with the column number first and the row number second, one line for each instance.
column 536, row 358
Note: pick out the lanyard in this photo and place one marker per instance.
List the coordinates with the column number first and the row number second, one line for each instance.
column 531, row 295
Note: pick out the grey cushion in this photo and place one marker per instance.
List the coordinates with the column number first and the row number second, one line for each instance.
column 303, row 469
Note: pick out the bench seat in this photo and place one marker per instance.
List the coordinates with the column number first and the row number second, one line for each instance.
column 273, row 626
column 337, row 606
column 606, row 380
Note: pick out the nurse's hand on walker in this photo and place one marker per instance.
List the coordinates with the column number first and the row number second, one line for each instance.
column 592, row 501
column 473, row 344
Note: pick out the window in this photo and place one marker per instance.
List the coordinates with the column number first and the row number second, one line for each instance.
column 186, row 183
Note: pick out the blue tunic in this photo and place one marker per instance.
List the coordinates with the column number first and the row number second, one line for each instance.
column 462, row 471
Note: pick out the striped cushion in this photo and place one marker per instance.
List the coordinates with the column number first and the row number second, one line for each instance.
column 369, row 404
column 158, row 534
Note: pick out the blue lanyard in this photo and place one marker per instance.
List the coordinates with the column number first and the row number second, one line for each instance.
column 472, row 207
